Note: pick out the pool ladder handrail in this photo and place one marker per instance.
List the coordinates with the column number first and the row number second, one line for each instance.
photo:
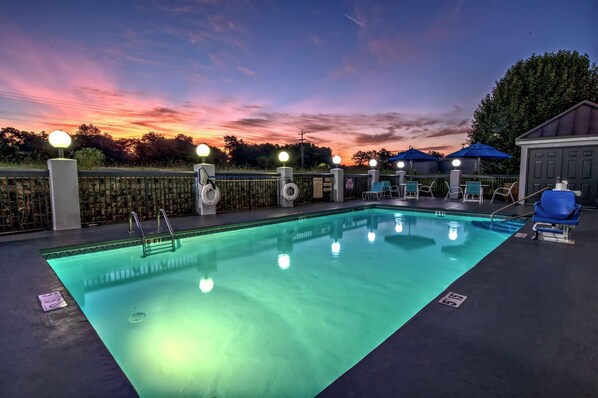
column 161, row 212
column 133, row 216
column 517, row 202
column 167, row 221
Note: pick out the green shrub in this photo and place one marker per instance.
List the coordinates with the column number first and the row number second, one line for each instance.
column 89, row 158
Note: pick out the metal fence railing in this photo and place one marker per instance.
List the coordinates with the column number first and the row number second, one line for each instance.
column 313, row 188
column 247, row 191
column 24, row 200
column 109, row 196
column 355, row 184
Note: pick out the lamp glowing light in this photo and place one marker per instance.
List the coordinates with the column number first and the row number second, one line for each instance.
column 456, row 163
column 283, row 157
column 203, row 151
column 399, row 228
column 336, row 160
column 453, row 233
column 206, row 285
column 400, row 164
column 371, row 236
column 284, row 261
column 335, row 248
column 373, row 163
column 59, row 140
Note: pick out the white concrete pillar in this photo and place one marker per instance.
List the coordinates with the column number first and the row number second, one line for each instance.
column 286, row 175
column 455, row 182
column 64, row 194
column 400, row 180
column 200, row 207
column 338, row 186
column 374, row 176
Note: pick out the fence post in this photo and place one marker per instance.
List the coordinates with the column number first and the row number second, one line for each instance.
column 64, row 194
column 338, row 186
column 200, row 207
column 455, row 182
column 286, row 175
column 375, row 176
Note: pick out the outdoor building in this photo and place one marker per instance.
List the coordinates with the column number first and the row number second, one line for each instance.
column 563, row 148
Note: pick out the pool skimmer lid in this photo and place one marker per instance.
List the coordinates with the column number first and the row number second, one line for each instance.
column 51, row 301
column 453, row 299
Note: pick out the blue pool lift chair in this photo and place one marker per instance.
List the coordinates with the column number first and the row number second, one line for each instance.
column 473, row 192
column 379, row 190
column 555, row 215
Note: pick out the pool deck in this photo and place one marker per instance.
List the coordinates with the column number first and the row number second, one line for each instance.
column 528, row 328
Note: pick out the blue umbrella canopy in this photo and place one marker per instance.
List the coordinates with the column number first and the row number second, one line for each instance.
column 413, row 155
column 479, row 151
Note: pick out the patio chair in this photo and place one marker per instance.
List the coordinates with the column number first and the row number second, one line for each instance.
column 395, row 189
column 411, row 190
column 428, row 189
column 555, row 215
column 473, row 192
column 451, row 190
column 505, row 192
column 386, row 189
column 377, row 191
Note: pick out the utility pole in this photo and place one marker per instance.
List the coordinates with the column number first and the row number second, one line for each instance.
column 301, row 140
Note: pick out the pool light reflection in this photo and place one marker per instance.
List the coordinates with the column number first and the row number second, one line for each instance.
column 206, row 285
column 284, row 261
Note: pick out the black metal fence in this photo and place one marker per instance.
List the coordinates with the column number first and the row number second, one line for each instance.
column 247, row 191
column 109, row 196
column 24, row 200
column 313, row 188
column 355, row 184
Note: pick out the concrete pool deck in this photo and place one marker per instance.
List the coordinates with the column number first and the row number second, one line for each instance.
column 528, row 328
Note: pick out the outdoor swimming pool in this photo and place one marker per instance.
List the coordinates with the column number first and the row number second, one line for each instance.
column 276, row 310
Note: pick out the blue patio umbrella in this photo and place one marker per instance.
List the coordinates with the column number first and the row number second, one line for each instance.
column 479, row 151
column 412, row 155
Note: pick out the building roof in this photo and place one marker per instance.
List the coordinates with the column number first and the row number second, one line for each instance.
column 580, row 120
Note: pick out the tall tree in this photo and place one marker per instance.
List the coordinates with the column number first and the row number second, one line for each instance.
column 531, row 92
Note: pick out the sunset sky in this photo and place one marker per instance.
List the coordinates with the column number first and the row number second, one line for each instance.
column 354, row 75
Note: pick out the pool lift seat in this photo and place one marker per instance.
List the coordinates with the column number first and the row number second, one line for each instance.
column 555, row 215
column 155, row 240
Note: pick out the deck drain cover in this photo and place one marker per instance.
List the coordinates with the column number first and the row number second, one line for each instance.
column 137, row 317
column 51, row 301
column 520, row 235
column 453, row 300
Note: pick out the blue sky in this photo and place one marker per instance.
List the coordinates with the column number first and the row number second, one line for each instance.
column 355, row 75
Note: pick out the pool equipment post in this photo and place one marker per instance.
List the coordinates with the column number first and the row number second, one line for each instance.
column 338, row 186
column 64, row 194
column 200, row 207
column 455, row 182
column 286, row 175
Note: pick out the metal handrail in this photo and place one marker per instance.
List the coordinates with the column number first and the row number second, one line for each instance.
column 133, row 216
column 517, row 202
column 163, row 212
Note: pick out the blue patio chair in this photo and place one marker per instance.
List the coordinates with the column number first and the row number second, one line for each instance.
column 451, row 190
column 473, row 192
column 378, row 191
column 411, row 190
column 554, row 215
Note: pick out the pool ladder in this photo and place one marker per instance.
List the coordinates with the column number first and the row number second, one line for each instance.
column 154, row 238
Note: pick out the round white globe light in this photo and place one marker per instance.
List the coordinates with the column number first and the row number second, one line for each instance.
column 373, row 162
column 336, row 160
column 59, row 139
column 371, row 236
column 456, row 163
column 284, row 261
column 206, row 285
column 400, row 164
column 283, row 157
column 203, row 150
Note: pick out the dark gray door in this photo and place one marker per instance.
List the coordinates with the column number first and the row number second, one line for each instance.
column 576, row 165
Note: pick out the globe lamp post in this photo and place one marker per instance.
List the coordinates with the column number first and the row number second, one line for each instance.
column 336, row 160
column 59, row 140
column 203, row 151
column 283, row 157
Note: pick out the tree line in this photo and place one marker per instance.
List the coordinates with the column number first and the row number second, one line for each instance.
column 91, row 146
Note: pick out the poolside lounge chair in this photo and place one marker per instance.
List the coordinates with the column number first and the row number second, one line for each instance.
column 378, row 191
column 411, row 190
column 554, row 215
column 473, row 192
column 451, row 190
column 386, row 189
column 428, row 189
column 505, row 192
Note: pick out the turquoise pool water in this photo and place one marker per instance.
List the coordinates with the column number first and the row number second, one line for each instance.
column 277, row 310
